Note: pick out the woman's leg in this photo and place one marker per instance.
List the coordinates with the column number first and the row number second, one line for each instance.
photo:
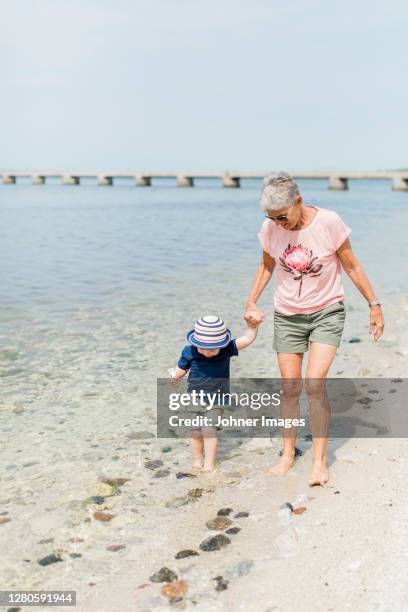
column 320, row 359
column 290, row 366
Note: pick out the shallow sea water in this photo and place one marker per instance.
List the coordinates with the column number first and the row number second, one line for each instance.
column 113, row 278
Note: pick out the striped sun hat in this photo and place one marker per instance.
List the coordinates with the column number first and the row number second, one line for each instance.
column 209, row 333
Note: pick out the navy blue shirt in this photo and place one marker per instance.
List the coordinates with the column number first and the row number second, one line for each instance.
column 203, row 370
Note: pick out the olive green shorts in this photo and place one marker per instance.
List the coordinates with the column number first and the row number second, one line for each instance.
column 292, row 333
column 192, row 411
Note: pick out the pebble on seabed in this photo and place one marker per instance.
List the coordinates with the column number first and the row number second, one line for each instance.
column 115, row 482
column 298, row 452
column 182, row 554
column 185, row 475
column 240, row 569
column 222, row 585
column 161, row 473
column 103, row 516
column 219, row 523
column 97, row 499
column 194, row 494
column 115, row 547
column 241, row 515
column 287, row 505
column 153, row 464
column 163, row 575
column 215, row 543
column 224, row 512
column 176, row 502
column 233, row 530
column 49, row 559
column 177, row 588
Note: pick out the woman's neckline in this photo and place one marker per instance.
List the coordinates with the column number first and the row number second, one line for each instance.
column 310, row 222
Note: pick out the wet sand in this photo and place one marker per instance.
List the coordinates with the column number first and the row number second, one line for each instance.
column 70, row 424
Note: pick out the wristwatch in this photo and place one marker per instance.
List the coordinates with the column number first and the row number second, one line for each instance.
column 374, row 303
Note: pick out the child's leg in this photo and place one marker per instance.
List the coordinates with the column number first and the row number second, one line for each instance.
column 210, row 448
column 197, row 446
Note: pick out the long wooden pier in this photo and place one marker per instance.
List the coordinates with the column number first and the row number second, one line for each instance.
column 336, row 180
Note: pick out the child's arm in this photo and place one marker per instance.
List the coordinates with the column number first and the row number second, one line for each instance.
column 176, row 375
column 248, row 337
column 182, row 367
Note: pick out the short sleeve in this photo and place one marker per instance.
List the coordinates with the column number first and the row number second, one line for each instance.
column 232, row 348
column 338, row 230
column 185, row 360
column 265, row 235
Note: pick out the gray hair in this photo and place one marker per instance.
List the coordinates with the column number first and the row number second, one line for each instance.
column 279, row 191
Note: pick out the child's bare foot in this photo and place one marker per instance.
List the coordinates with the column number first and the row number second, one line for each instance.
column 208, row 467
column 319, row 474
column 283, row 466
column 197, row 464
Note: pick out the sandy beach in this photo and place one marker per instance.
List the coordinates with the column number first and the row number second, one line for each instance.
column 92, row 494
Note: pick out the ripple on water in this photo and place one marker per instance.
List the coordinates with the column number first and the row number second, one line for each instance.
column 9, row 354
column 4, row 372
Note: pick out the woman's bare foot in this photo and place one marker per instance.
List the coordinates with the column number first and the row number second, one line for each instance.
column 283, row 466
column 319, row 474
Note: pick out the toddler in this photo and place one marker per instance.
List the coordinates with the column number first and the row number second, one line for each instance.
column 207, row 359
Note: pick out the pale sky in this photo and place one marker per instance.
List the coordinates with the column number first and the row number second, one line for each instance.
column 203, row 85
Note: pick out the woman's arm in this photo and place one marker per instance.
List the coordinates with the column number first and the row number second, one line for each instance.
column 253, row 315
column 355, row 271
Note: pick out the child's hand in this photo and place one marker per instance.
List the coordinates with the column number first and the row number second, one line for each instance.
column 176, row 374
column 254, row 318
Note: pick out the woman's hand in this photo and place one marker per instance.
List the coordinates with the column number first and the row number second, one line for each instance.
column 376, row 322
column 253, row 315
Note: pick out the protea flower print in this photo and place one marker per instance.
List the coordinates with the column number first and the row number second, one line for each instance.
column 298, row 260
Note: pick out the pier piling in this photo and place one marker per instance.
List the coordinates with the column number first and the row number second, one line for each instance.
column 230, row 181
column 184, row 181
column 104, row 180
column 143, row 181
column 338, row 183
column 67, row 179
column 399, row 184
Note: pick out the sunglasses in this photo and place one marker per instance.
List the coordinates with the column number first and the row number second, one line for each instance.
column 278, row 218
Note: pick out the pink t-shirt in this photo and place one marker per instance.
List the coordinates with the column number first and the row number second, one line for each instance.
column 307, row 266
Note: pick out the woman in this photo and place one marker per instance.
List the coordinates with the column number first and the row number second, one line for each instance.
column 307, row 245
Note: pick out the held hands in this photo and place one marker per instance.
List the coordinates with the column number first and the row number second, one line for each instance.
column 254, row 316
column 376, row 323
